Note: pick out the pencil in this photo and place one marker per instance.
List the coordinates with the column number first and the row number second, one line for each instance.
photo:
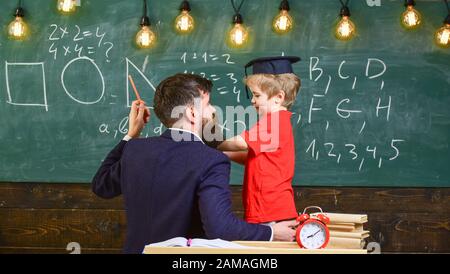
column 134, row 88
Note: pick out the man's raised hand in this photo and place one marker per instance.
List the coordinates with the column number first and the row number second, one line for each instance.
column 139, row 116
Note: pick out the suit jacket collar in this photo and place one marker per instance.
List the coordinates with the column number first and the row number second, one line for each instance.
column 179, row 135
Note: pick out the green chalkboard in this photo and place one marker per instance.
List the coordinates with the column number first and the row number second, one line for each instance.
column 64, row 95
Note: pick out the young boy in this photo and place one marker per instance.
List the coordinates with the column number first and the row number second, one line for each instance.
column 267, row 149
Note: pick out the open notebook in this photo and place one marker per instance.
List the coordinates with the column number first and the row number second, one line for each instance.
column 183, row 242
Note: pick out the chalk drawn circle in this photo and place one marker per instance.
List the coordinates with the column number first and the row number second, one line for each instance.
column 69, row 94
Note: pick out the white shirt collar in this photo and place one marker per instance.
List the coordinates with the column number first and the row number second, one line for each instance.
column 185, row 130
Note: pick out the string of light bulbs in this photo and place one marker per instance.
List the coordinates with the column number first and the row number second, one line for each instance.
column 184, row 23
column 18, row 29
column 283, row 22
column 145, row 38
column 411, row 18
column 238, row 35
column 442, row 35
column 345, row 29
column 66, row 6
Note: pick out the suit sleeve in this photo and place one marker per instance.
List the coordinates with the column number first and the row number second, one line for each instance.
column 215, row 207
column 106, row 182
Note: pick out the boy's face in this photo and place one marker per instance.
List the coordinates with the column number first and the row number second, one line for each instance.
column 261, row 101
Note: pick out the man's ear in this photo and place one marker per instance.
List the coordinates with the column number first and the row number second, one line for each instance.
column 202, row 92
column 191, row 114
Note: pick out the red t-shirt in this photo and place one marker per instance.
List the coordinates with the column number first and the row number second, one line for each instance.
column 267, row 189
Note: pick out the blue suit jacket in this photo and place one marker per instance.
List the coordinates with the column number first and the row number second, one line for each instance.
column 171, row 189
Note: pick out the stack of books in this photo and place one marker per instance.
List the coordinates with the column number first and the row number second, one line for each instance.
column 347, row 231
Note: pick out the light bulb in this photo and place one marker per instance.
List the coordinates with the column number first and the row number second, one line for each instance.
column 238, row 35
column 411, row 18
column 345, row 29
column 18, row 29
column 66, row 6
column 145, row 38
column 442, row 36
column 283, row 22
column 184, row 23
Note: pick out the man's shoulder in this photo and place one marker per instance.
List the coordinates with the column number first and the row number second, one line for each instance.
column 209, row 152
column 141, row 144
column 136, row 142
column 200, row 149
column 219, row 155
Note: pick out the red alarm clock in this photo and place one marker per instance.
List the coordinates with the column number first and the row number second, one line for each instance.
column 312, row 231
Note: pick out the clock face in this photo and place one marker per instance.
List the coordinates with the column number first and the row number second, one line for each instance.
column 313, row 235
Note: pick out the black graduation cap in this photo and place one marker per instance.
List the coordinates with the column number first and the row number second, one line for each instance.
column 271, row 65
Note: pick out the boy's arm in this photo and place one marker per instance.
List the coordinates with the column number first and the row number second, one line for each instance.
column 239, row 157
column 236, row 143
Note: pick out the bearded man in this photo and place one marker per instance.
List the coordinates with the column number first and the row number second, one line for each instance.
column 174, row 185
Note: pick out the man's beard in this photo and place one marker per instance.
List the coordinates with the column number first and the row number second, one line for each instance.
column 211, row 133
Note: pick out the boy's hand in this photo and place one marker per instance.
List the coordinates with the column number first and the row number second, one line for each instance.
column 236, row 143
column 284, row 231
column 139, row 116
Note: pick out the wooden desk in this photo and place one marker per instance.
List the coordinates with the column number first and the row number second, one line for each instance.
column 259, row 248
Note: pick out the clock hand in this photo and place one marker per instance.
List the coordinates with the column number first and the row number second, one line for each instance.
column 312, row 235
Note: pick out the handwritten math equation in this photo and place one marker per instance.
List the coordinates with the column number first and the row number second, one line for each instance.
column 78, row 46
column 75, row 41
column 223, row 83
column 345, row 109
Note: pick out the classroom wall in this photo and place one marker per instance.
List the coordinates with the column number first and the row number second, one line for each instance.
column 372, row 112
column 45, row 218
column 58, row 147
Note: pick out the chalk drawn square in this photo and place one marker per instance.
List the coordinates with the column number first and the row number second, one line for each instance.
column 32, row 92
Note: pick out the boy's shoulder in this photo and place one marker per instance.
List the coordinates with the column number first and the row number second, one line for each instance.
column 277, row 117
column 280, row 119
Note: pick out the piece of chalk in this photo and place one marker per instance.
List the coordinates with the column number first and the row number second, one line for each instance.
column 134, row 88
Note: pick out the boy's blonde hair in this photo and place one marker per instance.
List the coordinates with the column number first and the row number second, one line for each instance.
column 271, row 84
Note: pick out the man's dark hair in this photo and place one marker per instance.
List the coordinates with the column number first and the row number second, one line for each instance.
column 178, row 90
